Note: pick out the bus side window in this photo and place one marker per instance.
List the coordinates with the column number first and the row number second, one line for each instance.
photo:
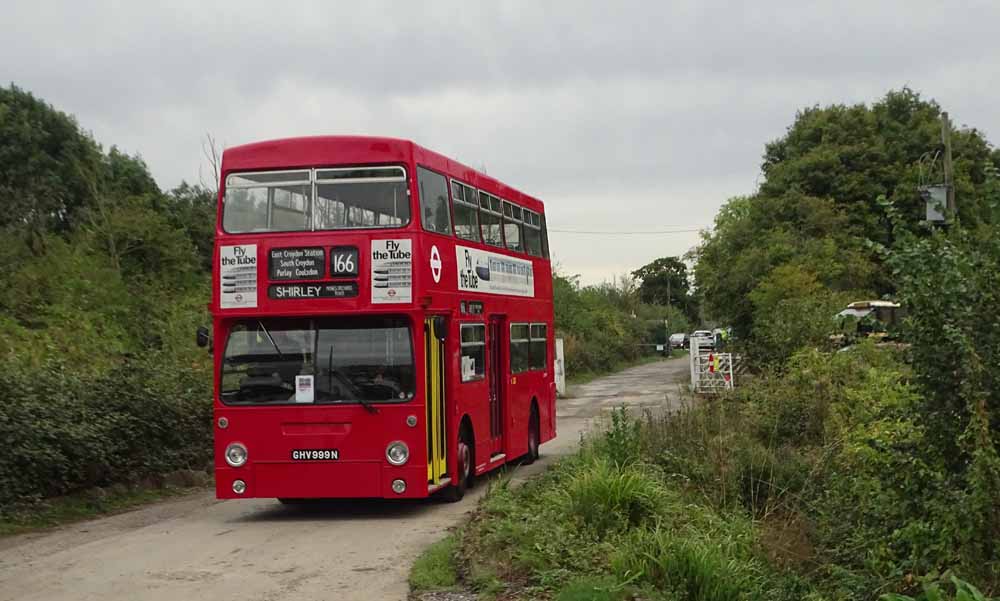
column 545, row 236
column 539, row 348
column 434, row 213
column 532, row 233
column 512, row 226
column 490, row 219
column 473, row 351
column 466, row 209
column 520, row 350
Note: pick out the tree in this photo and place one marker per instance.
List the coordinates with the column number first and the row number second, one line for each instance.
column 193, row 210
column 665, row 282
column 817, row 207
column 755, row 235
column 854, row 154
column 128, row 176
column 46, row 162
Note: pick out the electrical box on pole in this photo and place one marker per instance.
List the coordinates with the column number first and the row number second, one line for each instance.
column 936, row 199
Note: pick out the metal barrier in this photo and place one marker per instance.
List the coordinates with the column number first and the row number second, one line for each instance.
column 711, row 372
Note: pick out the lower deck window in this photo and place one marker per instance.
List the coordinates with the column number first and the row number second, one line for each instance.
column 473, row 352
column 528, row 347
column 539, row 347
column 520, row 348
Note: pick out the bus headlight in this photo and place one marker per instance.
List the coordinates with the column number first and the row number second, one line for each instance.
column 236, row 454
column 239, row 487
column 397, row 453
column 398, row 486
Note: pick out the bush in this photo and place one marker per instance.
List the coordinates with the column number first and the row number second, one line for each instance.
column 956, row 589
column 601, row 326
column 840, row 441
column 63, row 431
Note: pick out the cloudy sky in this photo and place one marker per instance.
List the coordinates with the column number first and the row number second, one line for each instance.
column 621, row 116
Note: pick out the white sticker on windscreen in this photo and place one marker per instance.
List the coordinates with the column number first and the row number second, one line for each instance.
column 304, row 389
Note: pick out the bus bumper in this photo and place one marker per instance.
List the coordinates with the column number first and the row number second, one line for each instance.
column 321, row 480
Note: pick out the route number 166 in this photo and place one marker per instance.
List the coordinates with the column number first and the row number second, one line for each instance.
column 344, row 261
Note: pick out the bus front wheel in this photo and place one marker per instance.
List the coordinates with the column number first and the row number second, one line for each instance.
column 464, row 461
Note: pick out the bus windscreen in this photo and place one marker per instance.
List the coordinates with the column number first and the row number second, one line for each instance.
column 345, row 360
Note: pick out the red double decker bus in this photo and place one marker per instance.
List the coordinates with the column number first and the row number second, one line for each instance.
column 383, row 318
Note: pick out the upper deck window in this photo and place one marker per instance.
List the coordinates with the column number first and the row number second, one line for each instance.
column 490, row 218
column 512, row 226
column 434, row 212
column 361, row 197
column 466, row 209
column 316, row 199
column 532, row 233
column 267, row 201
column 545, row 237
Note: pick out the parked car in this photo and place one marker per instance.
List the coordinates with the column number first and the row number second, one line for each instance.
column 679, row 340
column 704, row 337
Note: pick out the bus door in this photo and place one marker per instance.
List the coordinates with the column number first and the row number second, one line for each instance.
column 434, row 356
column 495, row 364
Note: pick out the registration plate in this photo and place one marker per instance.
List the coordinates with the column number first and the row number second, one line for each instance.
column 315, row 454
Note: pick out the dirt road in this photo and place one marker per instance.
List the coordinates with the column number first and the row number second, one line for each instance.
column 199, row 548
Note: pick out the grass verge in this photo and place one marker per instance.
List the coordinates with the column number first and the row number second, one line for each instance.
column 85, row 505
column 812, row 484
column 435, row 568
column 592, row 528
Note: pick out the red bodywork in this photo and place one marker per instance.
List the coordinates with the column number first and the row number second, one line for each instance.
column 271, row 432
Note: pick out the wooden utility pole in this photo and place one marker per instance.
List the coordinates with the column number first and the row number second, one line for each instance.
column 948, row 174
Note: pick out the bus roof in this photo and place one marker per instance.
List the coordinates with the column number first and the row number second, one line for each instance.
column 321, row 151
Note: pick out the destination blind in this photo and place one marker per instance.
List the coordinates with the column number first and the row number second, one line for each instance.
column 297, row 263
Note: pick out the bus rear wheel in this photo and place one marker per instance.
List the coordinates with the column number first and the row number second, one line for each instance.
column 463, row 460
column 533, row 437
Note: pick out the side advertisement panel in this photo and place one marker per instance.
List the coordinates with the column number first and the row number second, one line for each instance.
column 493, row 273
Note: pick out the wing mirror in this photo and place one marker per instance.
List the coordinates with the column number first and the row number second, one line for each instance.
column 440, row 328
column 202, row 338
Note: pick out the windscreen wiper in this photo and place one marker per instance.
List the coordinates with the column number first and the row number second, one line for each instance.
column 271, row 340
column 329, row 386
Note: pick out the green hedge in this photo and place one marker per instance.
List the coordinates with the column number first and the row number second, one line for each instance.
column 62, row 431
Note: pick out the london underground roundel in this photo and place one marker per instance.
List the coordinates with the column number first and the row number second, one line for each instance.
column 435, row 264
